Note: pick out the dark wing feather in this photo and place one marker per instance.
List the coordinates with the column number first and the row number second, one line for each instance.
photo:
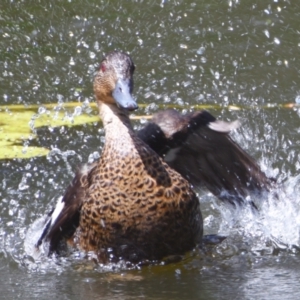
column 64, row 218
column 201, row 150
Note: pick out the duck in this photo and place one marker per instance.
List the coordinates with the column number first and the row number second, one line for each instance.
column 138, row 201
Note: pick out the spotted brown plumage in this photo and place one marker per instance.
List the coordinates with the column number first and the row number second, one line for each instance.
column 130, row 204
column 134, row 204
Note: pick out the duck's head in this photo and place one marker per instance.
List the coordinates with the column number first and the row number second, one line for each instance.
column 113, row 83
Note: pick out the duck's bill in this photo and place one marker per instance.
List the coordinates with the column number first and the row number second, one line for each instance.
column 122, row 95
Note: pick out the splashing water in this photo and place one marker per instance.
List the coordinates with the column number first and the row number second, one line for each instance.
column 274, row 227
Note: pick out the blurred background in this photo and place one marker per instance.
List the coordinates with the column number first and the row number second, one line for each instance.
column 238, row 57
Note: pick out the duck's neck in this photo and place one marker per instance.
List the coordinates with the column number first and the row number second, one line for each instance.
column 117, row 126
column 123, row 148
column 112, row 115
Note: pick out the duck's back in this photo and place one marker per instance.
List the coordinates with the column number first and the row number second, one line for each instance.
column 137, row 207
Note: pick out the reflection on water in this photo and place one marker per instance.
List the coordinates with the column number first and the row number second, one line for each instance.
column 187, row 53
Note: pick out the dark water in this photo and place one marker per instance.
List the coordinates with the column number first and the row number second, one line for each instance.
column 242, row 53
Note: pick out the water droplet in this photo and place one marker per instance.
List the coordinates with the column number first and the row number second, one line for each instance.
column 277, row 41
column 267, row 33
column 23, row 184
column 72, row 62
column 96, row 46
column 192, row 67
column 92, row 55
column 56, row 81
column 77, row 111
column 84, row 44
column 41, row 110
column 49, row 59
column 178, row 272
column 203, row 60
column 93, row 156
column 201, row 51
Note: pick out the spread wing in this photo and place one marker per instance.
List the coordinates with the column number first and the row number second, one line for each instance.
column 199, row 147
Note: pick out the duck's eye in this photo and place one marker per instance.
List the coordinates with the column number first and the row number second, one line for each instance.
column 103, row 67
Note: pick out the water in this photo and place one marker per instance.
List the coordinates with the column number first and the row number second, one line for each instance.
column 241, row 53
